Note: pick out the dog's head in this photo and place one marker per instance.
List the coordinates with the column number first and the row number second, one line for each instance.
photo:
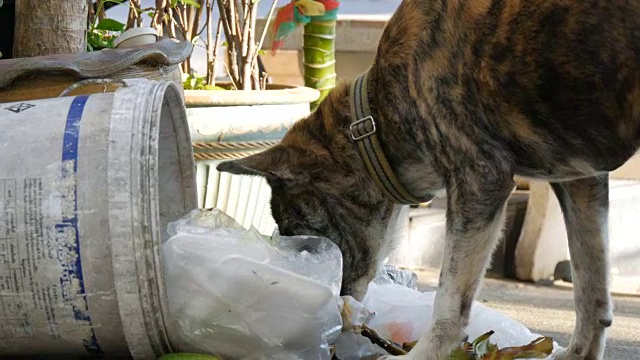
column 320, row 187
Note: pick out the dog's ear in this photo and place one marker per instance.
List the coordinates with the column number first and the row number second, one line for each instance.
column 273, row 163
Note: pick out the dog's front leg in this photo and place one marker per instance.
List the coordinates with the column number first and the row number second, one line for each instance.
column 475, row 217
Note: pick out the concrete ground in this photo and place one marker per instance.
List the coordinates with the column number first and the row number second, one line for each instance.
column 548, row 310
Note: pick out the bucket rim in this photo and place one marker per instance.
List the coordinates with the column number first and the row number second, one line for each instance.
column 134, row 209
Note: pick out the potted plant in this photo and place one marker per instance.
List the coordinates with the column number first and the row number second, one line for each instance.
column 237, row 115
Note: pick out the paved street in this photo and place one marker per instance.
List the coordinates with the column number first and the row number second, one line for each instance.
column 548, row 310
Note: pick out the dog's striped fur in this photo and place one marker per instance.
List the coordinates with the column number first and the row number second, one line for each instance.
column 467, row 94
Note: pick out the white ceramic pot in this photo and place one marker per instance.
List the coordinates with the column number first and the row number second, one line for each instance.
column 135, row 37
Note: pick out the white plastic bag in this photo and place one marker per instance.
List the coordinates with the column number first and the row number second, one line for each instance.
column 240, row 295
column 402, row 315
column 389, row 274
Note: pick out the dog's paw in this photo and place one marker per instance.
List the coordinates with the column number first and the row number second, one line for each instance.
column 565, row 354
column 569, row 354
column 581, row 349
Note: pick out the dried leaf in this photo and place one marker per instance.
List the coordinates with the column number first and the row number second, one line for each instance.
column 539, row 348
column 460, row 354
column 485, row 350
column 409, row 345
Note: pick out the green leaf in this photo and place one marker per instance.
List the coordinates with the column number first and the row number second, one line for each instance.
column 188, row 83
column 213, row 87
column 93, row 40
column 193, row 3
column 482, row 338
column 110, row 41
column 173, row 3
column 110, row 25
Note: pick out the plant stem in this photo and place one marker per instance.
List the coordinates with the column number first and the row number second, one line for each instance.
column 158, row 16
column 96, row 15
column 171, row 23
column 195, row 13
column 264, row 32
column 235, row 7
column 190, row 19
column 184, row 20
column 245, row 27
column 210, row 56
column 101, row 14
column 212, row 48
column 239, row 19
column 229, row 26
column 373, row 336
column 134, row 17
column 250, row 44
column 215, row 53
column 263, row 83
column 91, row 15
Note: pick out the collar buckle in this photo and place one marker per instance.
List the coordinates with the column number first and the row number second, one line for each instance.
column 362, row 128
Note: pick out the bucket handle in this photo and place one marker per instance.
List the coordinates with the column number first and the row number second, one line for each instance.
column 92, row 81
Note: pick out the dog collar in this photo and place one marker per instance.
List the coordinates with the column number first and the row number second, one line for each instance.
column 363, row 133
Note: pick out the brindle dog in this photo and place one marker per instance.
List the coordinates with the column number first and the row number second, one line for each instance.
column 467, row 94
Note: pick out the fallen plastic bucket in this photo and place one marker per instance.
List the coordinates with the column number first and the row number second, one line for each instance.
column 87, row 186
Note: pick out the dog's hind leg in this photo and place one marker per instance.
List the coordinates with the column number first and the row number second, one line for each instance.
column 475, row 218
column 585, row 206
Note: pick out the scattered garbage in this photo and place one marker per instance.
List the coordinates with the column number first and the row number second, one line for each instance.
column 401, row 315
column 239, row 294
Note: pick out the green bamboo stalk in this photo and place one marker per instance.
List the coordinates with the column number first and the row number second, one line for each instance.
column 319, row 57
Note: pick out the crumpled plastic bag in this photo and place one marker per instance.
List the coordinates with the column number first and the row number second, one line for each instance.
column 402, row 314
column 240, row 295
column 389, row 274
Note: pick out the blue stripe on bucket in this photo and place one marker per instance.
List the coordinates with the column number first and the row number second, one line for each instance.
column 71, row 279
